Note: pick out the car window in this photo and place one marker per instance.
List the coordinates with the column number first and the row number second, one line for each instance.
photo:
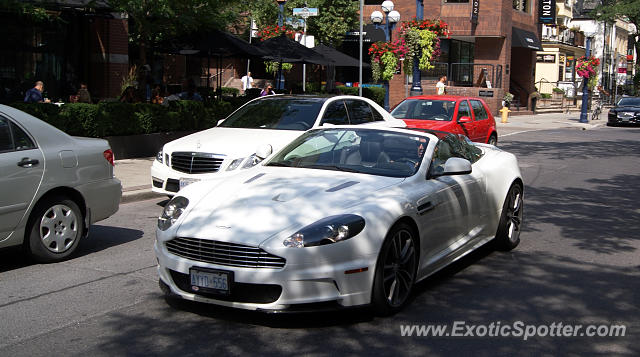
column 424, row 109
column 463, row 110
column 377, row 116
column 276, row 113
column 359, row 112
column 478, row 110
column 6, row 141
column 21, row 140
column 367, row 151
column 629, row 101
column 336, row 113
column 453, row 145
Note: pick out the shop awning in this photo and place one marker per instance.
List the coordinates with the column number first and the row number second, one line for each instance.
column 525, row 39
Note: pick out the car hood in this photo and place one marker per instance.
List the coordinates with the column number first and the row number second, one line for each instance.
column 233, row 142
column 428, row 124
column 256, row 205
column 624, row 108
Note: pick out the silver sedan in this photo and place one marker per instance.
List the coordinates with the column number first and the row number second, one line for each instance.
column 52, row 186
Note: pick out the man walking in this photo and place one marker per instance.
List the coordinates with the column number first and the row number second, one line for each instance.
column 440, row 86
column 247, row 82
column 34, row 95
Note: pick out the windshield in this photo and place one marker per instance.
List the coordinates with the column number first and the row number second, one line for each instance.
column 425, row 109
column 629, row 101
column 367, row 151
column 276, row 113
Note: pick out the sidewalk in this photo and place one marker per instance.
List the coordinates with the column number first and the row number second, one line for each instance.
column 136, row 179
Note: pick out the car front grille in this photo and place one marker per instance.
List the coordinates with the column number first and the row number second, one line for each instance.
column 222, row 253
column 196, row 162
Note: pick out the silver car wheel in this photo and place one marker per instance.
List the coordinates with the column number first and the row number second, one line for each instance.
column 58, row 228
column 514, row 216
column 399, row 268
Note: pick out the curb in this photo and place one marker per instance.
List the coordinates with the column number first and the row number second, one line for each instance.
column 139, row 193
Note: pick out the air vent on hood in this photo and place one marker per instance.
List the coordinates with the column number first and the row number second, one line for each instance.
column 254, row 178
column 341, row 186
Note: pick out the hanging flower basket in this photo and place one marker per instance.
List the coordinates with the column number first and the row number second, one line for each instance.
column 385, row 57
column 274, row 31
column 422, row 38
column 588, row 68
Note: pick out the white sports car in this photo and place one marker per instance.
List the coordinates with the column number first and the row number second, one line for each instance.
column 342, row 216
column 253, row 132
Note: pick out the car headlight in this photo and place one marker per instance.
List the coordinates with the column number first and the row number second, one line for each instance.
column 159, row 156
column 172, row 212
column 326, row 231
column 252, row 161
column 234, row 164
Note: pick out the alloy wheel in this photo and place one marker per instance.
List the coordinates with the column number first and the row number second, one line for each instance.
column 58, row 228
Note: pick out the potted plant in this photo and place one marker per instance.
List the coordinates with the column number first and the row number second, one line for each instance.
column 507, row 99
column 558, row 93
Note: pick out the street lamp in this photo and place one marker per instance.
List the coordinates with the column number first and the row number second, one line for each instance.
column 280, row 81
column 585, row 89
column 416, row 88
column 377, row 18
column 281, row 11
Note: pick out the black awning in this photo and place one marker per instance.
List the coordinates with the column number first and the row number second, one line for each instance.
column 525, row 39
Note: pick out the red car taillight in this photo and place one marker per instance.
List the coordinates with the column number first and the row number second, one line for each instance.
column 108, row 155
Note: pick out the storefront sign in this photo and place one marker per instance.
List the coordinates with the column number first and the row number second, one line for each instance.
column 622, row 70
column 547, row 11
column 475, row 9
column 485, row 93
column 546, row 58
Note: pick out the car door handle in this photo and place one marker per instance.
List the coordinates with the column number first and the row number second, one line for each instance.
column 426, row 207
column 26, row 162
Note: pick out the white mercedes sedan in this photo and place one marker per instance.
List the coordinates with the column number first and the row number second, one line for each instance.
column 253, row 132
column 342, row 216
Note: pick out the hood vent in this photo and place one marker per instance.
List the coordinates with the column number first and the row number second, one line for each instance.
column 255, row 178
column 341, row 186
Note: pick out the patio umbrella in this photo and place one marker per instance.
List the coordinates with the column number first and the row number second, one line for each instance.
column 338, row 58
column 283, row 49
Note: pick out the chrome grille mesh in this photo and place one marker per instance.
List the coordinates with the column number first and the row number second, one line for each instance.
column 195, row 162
column 222, row 253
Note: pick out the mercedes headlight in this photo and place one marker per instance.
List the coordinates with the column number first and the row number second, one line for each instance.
column 234, row 164
column 326, row 231
column 159, row 156
column 252, row 161
column 172, row 212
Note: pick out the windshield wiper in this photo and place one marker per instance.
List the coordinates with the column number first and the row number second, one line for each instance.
column 331, row 167
column 280, row 164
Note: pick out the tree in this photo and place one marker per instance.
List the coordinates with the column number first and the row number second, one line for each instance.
column 152, row 21
column 335, row 17
column 629, row 10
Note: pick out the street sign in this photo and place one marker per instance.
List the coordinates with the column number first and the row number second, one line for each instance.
column 305, row 12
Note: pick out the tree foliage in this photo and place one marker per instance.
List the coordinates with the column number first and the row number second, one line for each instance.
column 152, row 21
column 335, row 17
column 629, row 10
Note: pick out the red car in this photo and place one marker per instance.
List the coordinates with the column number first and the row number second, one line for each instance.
column 459, row 115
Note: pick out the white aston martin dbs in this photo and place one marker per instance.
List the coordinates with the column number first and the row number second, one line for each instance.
column 342, row 216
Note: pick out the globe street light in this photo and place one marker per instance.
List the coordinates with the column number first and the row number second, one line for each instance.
column 416, row 88
column 393, row 17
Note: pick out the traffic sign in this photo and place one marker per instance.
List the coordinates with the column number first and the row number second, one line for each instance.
column 305, row 12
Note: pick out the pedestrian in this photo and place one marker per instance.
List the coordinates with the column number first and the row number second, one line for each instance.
column 247, row 82
column 441, row 85
column 267, row 91
column 189, row 91
column 83, row 94
column 34, row 95
column 156, row 95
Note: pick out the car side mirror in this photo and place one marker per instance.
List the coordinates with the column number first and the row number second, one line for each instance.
column 463, row 120
column 263, row 151
column 456, row 166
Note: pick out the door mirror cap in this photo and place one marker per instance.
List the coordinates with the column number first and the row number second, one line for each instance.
column 456, row 166
column 463, row 120
column 263, row 151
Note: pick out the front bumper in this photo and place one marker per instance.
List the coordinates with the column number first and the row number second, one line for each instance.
column 166, row 181
column 293, row 286
column 621, row 119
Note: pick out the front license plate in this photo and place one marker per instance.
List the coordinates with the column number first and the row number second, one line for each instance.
column 217, row 281
column 186, row 182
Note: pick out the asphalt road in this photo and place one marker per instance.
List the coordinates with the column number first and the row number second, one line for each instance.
column 578, row 264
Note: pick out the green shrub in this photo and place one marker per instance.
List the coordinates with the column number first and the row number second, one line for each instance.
column 558, row 90
column 230, row 92
column 545, row 95
column 374, row 93
column 78, row 118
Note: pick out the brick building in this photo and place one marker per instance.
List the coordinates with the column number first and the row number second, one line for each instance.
column 76, row 44
column 503, row 41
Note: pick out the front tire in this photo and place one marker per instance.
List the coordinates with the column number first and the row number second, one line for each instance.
column 395, row 271
column 55, row 228
column 508, row 234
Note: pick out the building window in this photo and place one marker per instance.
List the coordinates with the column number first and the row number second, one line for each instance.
column 456, row 1
column 521, row 5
